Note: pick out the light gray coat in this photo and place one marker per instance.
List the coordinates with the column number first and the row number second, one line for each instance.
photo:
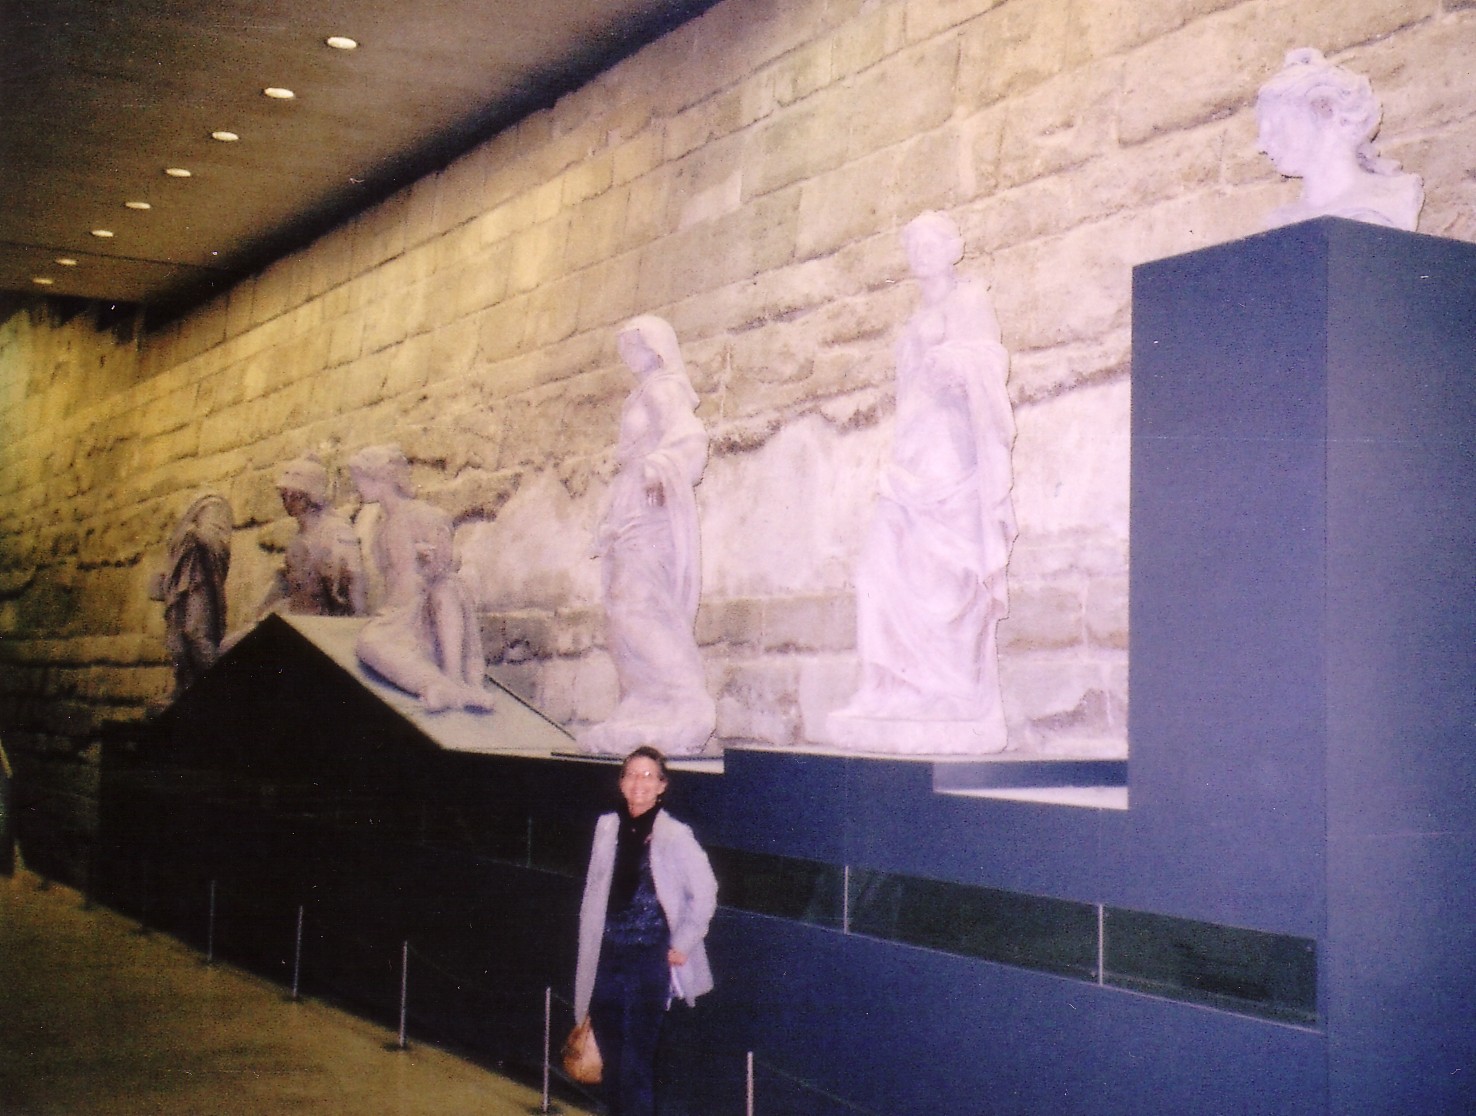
column 685, row 888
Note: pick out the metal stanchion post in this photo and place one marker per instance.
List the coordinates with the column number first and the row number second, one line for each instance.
column 547, row 1039
column 404, row 987
column 297, row 956
column 210, row 929
column 748, row 1110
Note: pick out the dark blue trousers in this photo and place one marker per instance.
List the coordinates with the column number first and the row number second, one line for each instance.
column 628, row 1007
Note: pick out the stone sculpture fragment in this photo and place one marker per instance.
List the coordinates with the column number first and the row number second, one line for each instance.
column 192, row 587
column 424, row 638
column 322, row 571
column 649, row 545
column 1317, row 122
column 931, row 577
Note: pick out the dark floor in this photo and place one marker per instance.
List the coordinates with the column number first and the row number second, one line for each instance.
column 98, row 1019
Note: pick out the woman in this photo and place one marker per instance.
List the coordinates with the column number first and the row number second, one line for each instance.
column 648, row 898
column 1317, row 122
column 425, row 638
column 930, row 581
column 652, row 562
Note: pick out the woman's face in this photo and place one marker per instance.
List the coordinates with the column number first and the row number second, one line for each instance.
column 641, row 785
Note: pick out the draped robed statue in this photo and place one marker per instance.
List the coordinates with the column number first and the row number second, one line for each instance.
column 931, row 577
column 648, row 543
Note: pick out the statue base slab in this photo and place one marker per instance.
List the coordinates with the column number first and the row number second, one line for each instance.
column 898, row 736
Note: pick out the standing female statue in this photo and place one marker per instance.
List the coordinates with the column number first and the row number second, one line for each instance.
column 425, row 637
column 930, row 582
column 652, row 562
column 1317, row 123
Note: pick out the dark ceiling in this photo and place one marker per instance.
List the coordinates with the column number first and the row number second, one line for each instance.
column 99, row 98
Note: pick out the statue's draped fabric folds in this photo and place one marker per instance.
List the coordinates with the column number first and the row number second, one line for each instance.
column 931, row 578
column 425, row 637
column 193, row 588
column 649, row 546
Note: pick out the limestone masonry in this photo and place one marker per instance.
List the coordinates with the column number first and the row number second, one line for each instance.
column 745, row 178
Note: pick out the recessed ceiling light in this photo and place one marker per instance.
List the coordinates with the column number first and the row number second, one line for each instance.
column 342, row 42
column 138, row 205
column 65, row 261
column 102, row 233
column 43, row 281
column 176, row 172
column 224, row 137
column 278, row 93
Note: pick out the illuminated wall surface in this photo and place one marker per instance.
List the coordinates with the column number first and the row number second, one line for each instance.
column 1279, row 923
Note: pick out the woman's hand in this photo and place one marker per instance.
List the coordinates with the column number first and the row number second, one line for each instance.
column 675, row 958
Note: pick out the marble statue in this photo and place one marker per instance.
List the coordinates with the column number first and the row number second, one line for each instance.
column 649, row 546
column 322, row 572
column 424, row 638
column 1317, row 122
column 193, row 588
column 930, row 579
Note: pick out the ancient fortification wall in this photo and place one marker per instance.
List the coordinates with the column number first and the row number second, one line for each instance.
column 745, row 177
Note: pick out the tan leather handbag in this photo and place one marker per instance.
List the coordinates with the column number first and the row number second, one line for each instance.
column 581, row 1056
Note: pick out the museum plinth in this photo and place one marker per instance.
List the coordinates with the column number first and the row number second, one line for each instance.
column 1304, row 626
column 1274, row 916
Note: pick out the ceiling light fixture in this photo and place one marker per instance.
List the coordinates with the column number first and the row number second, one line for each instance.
column 224, row 137
column 42, row 281
column 176, row 172
column 342, row 42
column 278, row 93
column 102, row 233
column 138, row 205
column 65, row 261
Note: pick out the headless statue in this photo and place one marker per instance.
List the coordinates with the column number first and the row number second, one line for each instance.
column 192, row 587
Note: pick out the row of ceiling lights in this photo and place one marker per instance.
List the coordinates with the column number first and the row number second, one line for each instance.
column 276, row 92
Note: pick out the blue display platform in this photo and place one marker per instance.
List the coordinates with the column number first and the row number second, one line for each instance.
column 1303, row 608
column 1271, row 916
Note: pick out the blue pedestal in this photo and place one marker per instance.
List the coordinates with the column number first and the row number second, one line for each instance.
column 1304, row 627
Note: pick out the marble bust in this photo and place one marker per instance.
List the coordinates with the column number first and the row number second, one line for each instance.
column 192, row 587
column 931, row 577
column 651, row 563
column 425, row 638
column 1317, row 122
column 322, row 571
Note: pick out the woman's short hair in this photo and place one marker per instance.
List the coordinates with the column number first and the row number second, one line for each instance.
column 646, row 751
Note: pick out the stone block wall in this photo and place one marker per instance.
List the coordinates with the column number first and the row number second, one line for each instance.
column 746, row 177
